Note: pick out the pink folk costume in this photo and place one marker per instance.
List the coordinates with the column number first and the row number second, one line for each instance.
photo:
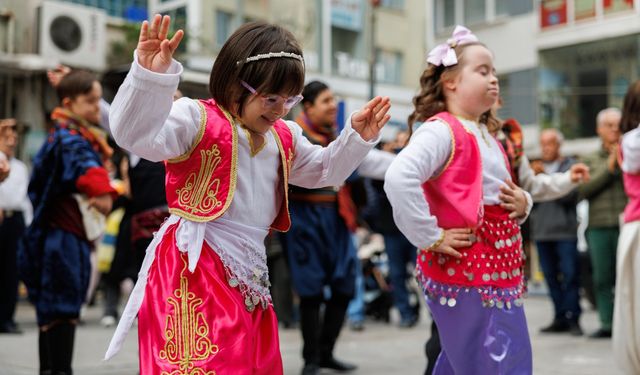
column 476, row 300
column 626, row 310
column 202, row 297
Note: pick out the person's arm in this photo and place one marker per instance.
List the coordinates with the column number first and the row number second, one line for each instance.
column 105, row 108
column 375, row 164
column 544, row 187
column 315, row 166
column 631, row 151
column 425, row 155
column 601, row 178
column 144, row 119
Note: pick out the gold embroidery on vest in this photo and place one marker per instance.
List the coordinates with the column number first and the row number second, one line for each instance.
column 286, row 168
column 186, row 332
column 199, row 193
column 232, row 180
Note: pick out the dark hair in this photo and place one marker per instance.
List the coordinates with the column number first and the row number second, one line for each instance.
column 631, row 108
column 312, row 90
column 77, row 82
column 273, row 75
column 431, row 100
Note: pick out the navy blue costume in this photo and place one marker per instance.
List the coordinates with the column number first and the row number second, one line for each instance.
column 54, row 255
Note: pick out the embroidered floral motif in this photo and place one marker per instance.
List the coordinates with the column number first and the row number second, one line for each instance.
column 199, row 194
column 186, row 332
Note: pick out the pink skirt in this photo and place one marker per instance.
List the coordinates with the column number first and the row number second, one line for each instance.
column 195, row 323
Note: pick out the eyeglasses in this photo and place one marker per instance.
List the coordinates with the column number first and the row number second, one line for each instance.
column 272, row 102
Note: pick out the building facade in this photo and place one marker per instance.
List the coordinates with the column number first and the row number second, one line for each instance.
column 335, row 36
column 559, row 61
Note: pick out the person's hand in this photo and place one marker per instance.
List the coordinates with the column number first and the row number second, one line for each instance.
column 5, row 168
column 154, row 50
column 537, row 166
column 453, row 239
column 102, row 203
column 612, row 160
column 513, row 199
column 579, row 173
column 55, row 76
column 371, row 118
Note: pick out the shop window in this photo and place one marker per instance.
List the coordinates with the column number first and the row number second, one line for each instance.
column 224, row 22
column 389, row 67
column 474, row 11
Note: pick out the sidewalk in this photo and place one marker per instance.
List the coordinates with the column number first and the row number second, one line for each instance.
column 379, row 349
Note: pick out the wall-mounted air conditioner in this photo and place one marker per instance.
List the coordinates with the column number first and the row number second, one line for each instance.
column 73, row 34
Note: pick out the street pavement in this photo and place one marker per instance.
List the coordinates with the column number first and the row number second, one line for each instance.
column 379, row 349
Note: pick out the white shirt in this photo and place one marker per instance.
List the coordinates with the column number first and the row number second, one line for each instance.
column 542, row 186
column 631, row 151
column 13, row 190
column 145, row 121
column 426, row 154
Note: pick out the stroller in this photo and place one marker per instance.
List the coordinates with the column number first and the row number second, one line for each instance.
column 378, row 297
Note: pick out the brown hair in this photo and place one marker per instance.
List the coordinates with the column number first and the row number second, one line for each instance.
column 77, row 82
column 431, row 100
column 631, row 108
column 272, row 76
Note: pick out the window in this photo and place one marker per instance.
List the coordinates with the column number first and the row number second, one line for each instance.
column 224, row 22
column 393, row 4
column 131, row 10
column 613, row 6
column 513, row 7
column 445, row 14
column 474, row 11
column 178, row 21
column 389, row 67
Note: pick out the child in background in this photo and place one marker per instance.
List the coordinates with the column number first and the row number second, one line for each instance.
column 202, row 295
column 54, row 259
column 452, row 196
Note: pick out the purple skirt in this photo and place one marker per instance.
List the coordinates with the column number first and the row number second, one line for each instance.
column 480, row 340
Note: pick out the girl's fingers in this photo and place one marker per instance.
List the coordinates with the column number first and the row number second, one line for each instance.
column 373, row 102
column 380, row 104
column 384, row 121
column 460, row 243
column 175, row 41
column 155, row 25
column 144, row 32
column 381, row 113
column 164, row 28
column 460, row 230
column 507, row 190
column 449, row 251
column 507, row 198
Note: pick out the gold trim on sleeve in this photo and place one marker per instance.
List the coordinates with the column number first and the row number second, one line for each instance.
column 196, row 141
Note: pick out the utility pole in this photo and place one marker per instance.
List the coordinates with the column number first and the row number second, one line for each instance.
column 372, row 45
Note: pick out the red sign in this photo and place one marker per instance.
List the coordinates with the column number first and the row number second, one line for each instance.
column 553, row 12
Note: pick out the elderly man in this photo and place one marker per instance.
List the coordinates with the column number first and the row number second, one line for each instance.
column 607, row 200
column 15, row 209
column 554, row 227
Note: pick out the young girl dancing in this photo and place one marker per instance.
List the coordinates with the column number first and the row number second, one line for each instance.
column 453, row 198
column 626, row 309
column 202, row 296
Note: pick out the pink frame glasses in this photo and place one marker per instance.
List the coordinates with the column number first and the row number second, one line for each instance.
column 272, row 102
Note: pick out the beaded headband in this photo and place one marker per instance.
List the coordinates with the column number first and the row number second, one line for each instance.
column 269, row 55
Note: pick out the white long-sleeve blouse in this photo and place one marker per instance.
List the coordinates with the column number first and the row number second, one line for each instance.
column 425, row 155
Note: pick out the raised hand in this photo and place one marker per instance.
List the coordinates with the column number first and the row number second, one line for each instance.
column 579, row 173
column 154, row 50
column 55, row 76
column 371, row 118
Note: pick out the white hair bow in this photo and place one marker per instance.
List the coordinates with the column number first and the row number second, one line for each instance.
column 444, row 53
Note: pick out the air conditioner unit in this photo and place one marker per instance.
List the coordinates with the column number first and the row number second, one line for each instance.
column 73, row 34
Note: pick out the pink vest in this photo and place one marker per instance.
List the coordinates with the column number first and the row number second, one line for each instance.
column 200, row 184
column 632, row 188
column 455, row 194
